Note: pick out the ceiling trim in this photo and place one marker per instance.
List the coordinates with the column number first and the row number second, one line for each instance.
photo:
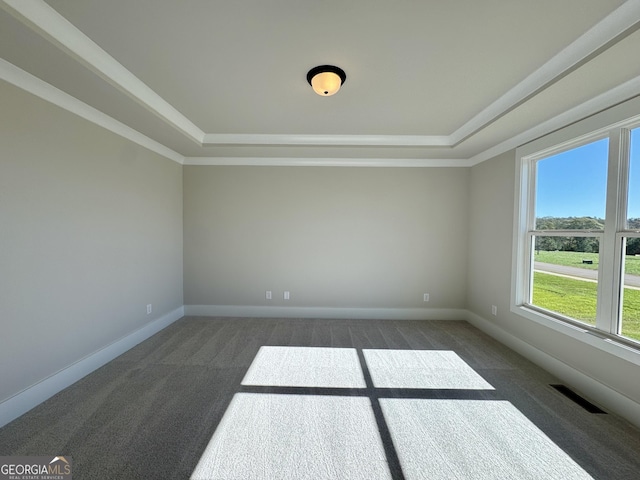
column 25, row 81
column 607, row 31
column 46, row 21
column 43, row 19
column 328, row 140
column 31, row 84
column 621, row 93
column 41, row 89
column 327, row 162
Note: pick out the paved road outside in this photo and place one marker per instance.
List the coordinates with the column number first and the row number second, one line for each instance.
column 631, row 280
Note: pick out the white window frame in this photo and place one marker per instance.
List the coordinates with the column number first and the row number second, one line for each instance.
column 614, row 123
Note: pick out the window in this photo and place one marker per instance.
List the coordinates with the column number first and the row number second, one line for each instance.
column 570, row 197
column 568, row 225
column 577, row 242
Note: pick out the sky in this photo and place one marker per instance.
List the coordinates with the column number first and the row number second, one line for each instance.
column 573, row 183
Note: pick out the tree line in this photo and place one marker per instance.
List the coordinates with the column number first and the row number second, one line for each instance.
column 579, row 244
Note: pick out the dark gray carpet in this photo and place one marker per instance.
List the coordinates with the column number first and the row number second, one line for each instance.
column 367, row 407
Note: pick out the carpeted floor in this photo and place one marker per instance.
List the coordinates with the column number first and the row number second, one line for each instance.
column 213, row 398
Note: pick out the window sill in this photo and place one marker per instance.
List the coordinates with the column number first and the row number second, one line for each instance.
column 587, row 336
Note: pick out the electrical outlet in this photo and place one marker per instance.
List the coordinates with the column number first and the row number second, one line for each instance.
column 268, row 295
column 426, row 297
column 494, row 310
column 149, row 308
column 286, row 295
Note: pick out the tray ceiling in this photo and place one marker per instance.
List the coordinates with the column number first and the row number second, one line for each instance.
column 426, row 81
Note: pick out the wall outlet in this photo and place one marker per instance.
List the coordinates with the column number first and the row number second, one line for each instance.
column 494, row 310
column 425, row 297
column 149, row 309
column 286, row 295
column 268, row 295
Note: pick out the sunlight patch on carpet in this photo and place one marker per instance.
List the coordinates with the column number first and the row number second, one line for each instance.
column 473, row 439
column 306, row 367
column 433, row 369
column 295, row 436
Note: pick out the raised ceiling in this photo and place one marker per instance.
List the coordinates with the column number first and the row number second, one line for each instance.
column 427, row 81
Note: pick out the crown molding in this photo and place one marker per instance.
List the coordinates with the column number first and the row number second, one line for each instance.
column 607, row 31
column 608, row 99
column 328, row 140
column 327, row 162
column 29, row 83
column 54, row 27
column 44, row 20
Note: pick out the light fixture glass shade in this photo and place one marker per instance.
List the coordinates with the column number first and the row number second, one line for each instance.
column 326, row 80
column 326, row 83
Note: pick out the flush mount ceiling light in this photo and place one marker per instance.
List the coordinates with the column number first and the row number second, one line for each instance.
column 326, row 80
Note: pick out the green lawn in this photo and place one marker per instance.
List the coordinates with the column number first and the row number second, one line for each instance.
column 574, row 259
column 577, row 299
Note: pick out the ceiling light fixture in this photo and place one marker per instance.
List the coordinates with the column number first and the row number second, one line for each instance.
column 326, row 80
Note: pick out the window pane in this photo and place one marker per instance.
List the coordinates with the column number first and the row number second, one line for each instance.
column 565, row 277
column 633, row 205
column 571, row 188
column 630, row 327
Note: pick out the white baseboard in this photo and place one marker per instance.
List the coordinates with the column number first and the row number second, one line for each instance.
column 610, row 399
column 24, row 401
column 326, row 312
column 601, row 394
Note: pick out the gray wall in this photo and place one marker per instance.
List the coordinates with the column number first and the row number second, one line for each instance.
column 90, row 233
column 333, row 237
column 492, row 185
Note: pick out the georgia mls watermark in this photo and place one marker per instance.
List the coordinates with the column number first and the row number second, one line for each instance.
column 35, row 468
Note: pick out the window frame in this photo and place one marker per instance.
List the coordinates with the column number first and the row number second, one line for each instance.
column 615, row 124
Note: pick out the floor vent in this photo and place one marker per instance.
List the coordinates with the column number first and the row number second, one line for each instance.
column 571, row 395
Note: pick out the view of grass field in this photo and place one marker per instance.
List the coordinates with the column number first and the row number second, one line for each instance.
column 574, row 259
column 577, row 299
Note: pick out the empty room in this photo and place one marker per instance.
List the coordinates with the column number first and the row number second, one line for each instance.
column 319, row 240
